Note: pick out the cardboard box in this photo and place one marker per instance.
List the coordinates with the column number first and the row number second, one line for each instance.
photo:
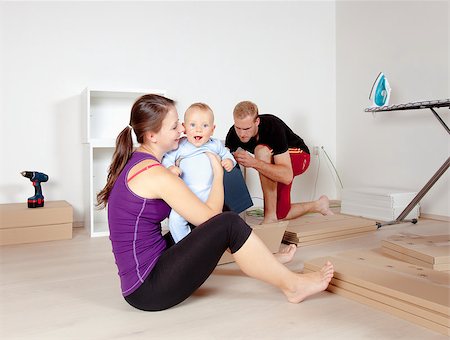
column 20, row 224
column 271, row 234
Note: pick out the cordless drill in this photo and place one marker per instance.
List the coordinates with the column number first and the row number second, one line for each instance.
column 37, row 200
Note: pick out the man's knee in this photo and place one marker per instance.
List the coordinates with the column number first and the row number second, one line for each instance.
column 263, row 152
column 283, row 200
column 282, row 213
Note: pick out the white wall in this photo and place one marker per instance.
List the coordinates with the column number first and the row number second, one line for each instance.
column 280, row 55
column 409, row 42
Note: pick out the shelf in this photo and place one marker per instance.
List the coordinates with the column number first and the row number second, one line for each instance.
column 106, row 143
column 103, row 143
column 100, row 229
column 106, row 114
column 129, row 94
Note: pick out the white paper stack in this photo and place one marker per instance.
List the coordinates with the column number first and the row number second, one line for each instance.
column 384, row 204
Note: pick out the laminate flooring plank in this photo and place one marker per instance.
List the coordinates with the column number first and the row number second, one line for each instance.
column 422, row 286
column 303, row 230
column 392, row 310
column 317, row 218
column 416, row 261
column 293, row 236
column 330, row 239
column 405, row 306
column 434, row 249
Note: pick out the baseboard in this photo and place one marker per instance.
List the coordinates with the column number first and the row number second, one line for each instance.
column 435, row 217
column 78, row 224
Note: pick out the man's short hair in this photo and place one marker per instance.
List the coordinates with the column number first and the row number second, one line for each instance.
column 245, row 109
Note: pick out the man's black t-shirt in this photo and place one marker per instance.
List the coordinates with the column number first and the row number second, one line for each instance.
column 273, row 132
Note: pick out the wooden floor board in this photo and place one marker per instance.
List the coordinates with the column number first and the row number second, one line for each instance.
column 70, row 289
column 392, row 310
column 432, row 249
column 413, row 260
column 422, row 286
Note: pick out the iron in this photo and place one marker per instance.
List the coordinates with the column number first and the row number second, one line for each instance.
column 380, row 92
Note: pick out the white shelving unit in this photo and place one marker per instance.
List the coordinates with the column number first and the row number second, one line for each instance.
column 106, row 113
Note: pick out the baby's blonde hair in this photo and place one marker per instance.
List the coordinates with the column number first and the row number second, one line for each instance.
column 200, row 106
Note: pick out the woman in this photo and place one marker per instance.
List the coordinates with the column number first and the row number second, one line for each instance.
column 140, row 193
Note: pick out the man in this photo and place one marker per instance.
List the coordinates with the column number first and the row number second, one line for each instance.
column 279, row 156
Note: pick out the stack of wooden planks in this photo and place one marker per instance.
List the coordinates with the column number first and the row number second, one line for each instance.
column 315, row 229
column 426, row 251
column 417, row 294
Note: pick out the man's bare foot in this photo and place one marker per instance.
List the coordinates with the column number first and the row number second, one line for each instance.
column 269, row 219
column 286, row 254
column 310, row 284
column 323, row 205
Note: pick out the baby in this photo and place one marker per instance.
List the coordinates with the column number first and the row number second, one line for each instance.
column 190, row 162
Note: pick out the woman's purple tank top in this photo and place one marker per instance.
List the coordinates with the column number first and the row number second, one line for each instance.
column 135, row 229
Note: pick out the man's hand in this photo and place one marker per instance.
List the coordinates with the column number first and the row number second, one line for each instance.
column 245, row 159
column 227, row 164
column 175, row 170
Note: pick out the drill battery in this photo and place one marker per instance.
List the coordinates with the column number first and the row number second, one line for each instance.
column 36, row 178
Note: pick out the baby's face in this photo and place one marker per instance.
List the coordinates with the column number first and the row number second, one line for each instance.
column 199, row 126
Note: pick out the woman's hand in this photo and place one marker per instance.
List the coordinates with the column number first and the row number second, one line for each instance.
column 175, row 170
column 160, row 183
column 215, row 164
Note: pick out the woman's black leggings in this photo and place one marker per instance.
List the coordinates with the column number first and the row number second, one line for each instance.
column 183, row 267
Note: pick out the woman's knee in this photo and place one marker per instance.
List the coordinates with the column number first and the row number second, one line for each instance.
column 222, row 221
column 229, row 228
column 228, row 217
column 238, row 231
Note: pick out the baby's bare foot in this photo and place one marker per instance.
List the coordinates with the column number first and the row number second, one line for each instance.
column 323, row 206
column 311, row 283
column 286, row 254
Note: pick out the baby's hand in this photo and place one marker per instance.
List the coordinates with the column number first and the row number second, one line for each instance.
column 175, row 170
column 227, row 164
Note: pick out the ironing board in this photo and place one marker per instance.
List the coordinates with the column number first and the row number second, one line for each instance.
column 432, row 105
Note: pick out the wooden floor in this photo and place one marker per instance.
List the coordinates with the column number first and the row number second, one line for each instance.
column 70, row 290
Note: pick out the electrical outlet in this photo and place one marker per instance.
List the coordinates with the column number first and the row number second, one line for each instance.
column 315, row 150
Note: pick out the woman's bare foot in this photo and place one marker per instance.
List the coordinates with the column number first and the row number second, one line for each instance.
column 310, row 284
column 286, row 254
column 323, row 205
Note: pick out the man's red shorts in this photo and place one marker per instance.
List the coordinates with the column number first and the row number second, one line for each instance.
column 300, row 162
